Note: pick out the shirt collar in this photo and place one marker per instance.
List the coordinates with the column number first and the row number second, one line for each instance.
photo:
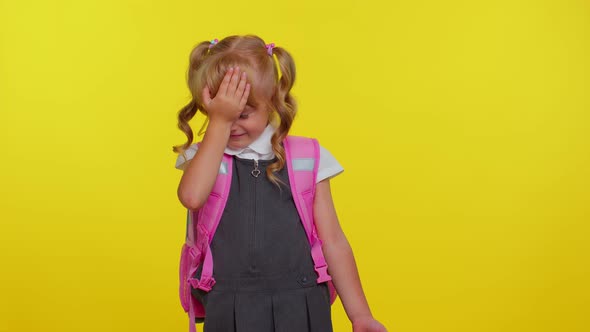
column 260, row 146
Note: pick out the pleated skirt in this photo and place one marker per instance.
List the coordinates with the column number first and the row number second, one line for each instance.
column 293, row 303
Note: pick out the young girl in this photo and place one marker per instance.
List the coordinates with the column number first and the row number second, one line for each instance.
column 260, row 241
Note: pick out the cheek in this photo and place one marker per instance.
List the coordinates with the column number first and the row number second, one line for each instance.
column 257, row 121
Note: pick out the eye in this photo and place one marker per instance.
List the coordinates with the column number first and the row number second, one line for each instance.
column 244, row 116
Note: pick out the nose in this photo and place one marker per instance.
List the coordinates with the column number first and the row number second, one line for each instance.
column 234, row 127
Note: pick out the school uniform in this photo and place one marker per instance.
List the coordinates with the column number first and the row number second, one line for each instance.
column 265, row 277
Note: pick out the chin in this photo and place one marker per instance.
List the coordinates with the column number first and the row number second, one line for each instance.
column 236, row 147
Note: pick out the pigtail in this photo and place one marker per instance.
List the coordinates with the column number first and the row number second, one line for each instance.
column 184, row 116
column 186, row 113
column 286, row 109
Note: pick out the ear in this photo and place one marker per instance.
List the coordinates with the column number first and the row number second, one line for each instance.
column 206, row 96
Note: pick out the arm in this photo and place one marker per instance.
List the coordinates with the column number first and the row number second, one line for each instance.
column 200, row 173
column 341, row 263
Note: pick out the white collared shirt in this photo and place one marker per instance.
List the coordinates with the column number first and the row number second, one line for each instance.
column 261, row 149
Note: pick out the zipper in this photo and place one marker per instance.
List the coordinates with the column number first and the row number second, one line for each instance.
column 255, row 172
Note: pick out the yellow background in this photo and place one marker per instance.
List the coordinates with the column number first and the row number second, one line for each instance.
column 463, row 128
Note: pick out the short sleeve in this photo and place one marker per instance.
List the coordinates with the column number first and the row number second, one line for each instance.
column 329, row 167
column 188, row 155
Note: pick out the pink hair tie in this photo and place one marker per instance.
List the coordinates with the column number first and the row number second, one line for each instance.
column 213, row 42
column 269, row 48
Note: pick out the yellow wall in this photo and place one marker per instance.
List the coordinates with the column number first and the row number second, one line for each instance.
column 463, row 127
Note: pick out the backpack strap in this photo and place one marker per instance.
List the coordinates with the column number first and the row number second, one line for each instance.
column 207, row 219
column 302, row 159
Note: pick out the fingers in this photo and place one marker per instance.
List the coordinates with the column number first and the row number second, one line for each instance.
column 233, row 83
column 244, row 99
column 233, row 90
column 241, row 85
column 225, row 83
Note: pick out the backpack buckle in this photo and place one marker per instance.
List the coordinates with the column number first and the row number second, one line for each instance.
column 323, row 275
column 204, row 284
column 194, row 282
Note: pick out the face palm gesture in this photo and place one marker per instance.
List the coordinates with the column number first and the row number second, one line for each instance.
column 231, row 97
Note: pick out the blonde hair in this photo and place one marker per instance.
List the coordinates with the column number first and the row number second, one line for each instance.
column 207, row 66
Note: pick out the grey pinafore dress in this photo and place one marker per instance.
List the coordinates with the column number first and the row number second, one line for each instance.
column 265, row 277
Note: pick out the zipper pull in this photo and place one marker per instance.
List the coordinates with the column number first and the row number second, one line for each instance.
column 255, row 172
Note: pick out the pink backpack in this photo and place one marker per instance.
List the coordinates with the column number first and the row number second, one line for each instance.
column 302, row 161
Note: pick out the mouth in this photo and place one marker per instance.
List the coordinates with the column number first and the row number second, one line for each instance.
column 236, row 136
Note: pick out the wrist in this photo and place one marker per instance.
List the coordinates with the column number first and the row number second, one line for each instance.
column 217, row 132
column 219, row 124
column 221, row 119
column 359, row 317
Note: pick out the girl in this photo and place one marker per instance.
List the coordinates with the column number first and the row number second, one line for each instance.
column 260, row 240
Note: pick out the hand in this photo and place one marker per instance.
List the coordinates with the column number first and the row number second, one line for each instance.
column 231, row 98
column 367, row 324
